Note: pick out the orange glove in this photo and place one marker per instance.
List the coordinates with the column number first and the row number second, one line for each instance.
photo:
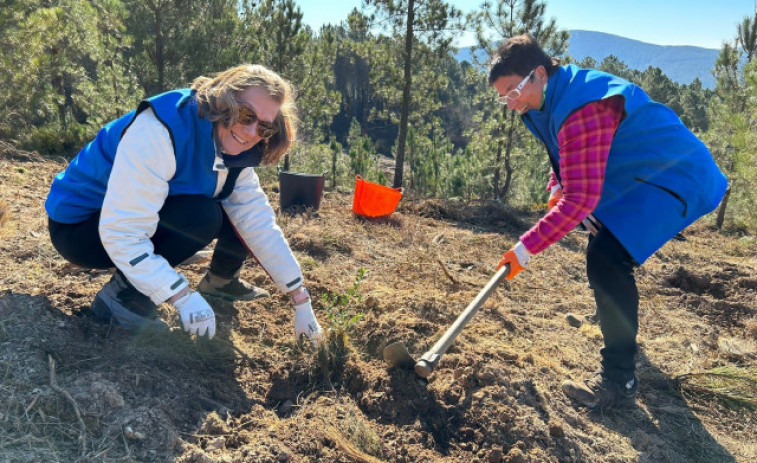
column 554, row 196
column 517, row 257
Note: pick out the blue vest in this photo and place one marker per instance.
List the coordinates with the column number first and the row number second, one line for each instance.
column 78, row 191
column 660, row 177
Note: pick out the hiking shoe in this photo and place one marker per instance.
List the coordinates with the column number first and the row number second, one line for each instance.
column 232, row 289
column 599, row 392
column 122, row 303
column 200, row 257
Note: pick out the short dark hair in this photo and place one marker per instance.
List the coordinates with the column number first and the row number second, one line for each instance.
column 519, row 55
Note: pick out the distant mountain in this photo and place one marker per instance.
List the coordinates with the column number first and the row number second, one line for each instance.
column 681, row 63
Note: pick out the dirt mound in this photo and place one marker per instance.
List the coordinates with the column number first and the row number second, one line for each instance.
column 73, row 389
column 489, row 214
column 725, row 298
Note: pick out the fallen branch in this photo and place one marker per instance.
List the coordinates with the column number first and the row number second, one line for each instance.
column 444, row 269
column 31, row 405
column 24, row 439
column 685, row 376
column 67, row 395
column 349, row 448
column 15, row 153
column 736, row 385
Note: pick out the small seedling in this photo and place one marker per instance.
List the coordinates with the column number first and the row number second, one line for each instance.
column 343, row 316
column 341, row 309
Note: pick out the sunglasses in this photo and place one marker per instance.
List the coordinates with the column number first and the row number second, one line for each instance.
column 248, row 117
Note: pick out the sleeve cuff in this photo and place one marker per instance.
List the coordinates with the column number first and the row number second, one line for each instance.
column 522, row 253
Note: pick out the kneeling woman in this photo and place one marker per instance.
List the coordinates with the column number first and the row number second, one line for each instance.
column 163, row 181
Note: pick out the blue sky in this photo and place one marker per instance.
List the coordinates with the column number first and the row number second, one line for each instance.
column 702, row 23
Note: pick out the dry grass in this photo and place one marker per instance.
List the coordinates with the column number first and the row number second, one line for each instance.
column 734, row 385
column 4, row 213
column 252, row 395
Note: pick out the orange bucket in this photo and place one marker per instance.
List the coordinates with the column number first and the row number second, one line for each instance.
column 374, row 200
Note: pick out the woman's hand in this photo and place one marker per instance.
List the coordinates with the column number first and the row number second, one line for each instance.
column 305, row 324
column 517, row 257
column 197, row 317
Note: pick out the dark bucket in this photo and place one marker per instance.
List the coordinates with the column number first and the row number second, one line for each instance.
column 297, row 189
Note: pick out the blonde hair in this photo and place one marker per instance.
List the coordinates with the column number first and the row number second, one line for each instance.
column 217, row 99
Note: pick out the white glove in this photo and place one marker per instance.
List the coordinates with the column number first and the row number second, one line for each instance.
column 522, row 254
column 197, row 317
column 306, row 324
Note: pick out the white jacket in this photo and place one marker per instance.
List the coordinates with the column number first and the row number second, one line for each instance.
column 137, row 189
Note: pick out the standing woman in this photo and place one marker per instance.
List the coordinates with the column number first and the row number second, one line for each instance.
column 622, row 164
column 161, row 182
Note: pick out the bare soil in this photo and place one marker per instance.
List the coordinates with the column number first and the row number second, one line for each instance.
column 73, row 389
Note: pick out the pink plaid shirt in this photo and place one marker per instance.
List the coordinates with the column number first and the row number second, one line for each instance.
column 584, row 141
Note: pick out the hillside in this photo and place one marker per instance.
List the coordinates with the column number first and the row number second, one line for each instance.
column 73, row 389
column 681, row 63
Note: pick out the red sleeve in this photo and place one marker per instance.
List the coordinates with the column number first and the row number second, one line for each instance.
column 584, row 142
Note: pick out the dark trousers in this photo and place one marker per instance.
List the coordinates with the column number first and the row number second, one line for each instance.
column 187, row 223
column 610, row 271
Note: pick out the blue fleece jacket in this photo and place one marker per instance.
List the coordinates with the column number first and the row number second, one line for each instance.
column 660, row 177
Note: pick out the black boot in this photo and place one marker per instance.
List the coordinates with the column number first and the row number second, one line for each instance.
column 120, row 301
column 232, row 289
column 599, row 392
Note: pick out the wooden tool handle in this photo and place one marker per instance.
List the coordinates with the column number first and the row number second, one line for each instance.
column 430, row 359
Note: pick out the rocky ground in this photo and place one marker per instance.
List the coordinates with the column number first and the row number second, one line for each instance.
column 72, row 389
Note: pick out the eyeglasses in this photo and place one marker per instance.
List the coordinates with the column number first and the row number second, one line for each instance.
column 248, row 117
column 514, row 94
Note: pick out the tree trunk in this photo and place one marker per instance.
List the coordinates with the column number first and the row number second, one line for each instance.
column 334, row 157
column 508, row 152
column 159, row 60
column 400, row 161
column 721, row 209
column 498, row 156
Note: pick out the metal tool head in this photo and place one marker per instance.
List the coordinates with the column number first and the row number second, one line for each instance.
column 426, row 365
column 397, row 355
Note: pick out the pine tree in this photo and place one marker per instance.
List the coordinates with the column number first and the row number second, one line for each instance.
column 429, row 21
column 285, row 43
column 694, row 106
column 318, row 100
column 733, row 119
column 63, row 72
column 497, row 22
